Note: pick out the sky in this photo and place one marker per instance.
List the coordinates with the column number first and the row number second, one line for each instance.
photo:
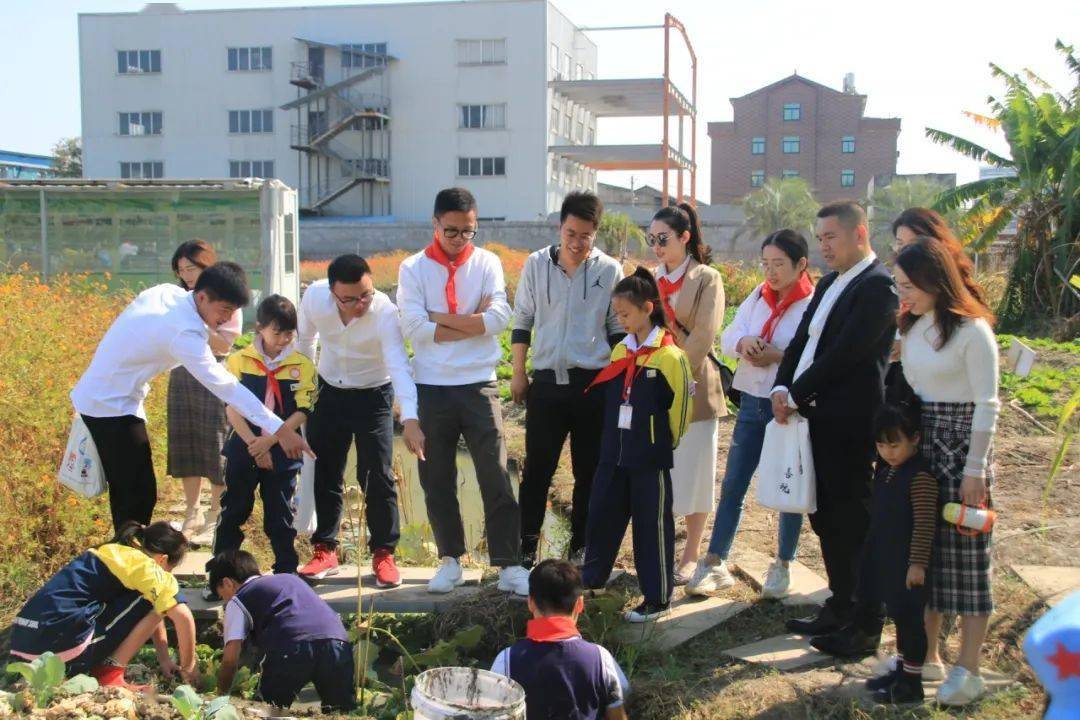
column 923, row 61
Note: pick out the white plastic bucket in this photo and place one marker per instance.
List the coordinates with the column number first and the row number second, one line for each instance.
column 458, row 693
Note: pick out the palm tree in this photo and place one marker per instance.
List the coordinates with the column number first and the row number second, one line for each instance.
column 618, row 233
column 1042, row 129
column 886, row 203
column 779, row 203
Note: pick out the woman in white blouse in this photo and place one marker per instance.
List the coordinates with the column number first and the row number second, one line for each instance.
column 950, row 359
column 763, row 326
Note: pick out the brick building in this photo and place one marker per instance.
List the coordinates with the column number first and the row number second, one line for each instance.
column 796, row 126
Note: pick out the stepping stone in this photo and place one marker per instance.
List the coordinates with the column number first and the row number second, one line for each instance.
column 807, row 587
column 1052, row 583
column 347, row 575
column 783, row 652
column 855, row 687
column 688, row 618
column 411, row 597
column 193, row 567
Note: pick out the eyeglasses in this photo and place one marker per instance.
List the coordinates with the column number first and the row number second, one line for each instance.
column 350, row 301
column 451, row 233
column 657, row 239
column 774, row 265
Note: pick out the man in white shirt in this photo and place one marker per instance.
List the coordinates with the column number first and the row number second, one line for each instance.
column 833, row 374
column 363, row 366
column 163, row 327
column 453, row 306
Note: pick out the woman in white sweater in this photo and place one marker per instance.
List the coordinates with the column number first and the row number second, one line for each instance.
column 950, row 359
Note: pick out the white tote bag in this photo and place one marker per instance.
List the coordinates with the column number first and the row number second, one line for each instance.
column 786, row 478
column 304, row 519
column 80, row 468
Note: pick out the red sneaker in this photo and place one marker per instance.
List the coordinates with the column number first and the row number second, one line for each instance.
column 113, row 676
column 323, row 563
column 386, row 572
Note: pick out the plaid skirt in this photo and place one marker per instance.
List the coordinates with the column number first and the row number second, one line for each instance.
column 197, row 429
column 960, row 573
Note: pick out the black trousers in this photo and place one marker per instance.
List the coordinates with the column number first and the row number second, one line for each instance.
column 844, row 465
column 242, row 479
column 553, row 412
column 341, row 417
column 328, row 664
column 906, row 612
column 124, row 449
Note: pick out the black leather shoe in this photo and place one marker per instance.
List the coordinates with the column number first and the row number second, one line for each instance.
column 884, row 681
column 906, row 689
column 848, row 642
column 826, row 621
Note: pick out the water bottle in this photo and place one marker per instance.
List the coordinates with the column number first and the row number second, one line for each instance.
column 978, row 519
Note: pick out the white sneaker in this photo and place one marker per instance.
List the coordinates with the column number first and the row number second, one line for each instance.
column 645, row 612
column 777, row 581
column 447, row 577
column 931, row 672
column 193, row 521
column 960, row 688
column 514, row 579
column 709, row 579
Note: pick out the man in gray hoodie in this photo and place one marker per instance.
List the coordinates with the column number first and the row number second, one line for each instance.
column 563, row 309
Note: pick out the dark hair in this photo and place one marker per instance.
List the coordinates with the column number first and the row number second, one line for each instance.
column 791, row 243
column 238, row 565
column 930, row 267
column 156, row 538
column 454, row 200
column 849, row 212
column 555, row 586
column 894, row 422
column 927, row 223
column 196, row 252
column 347, row 268
column 684, row 218
column 584, row 205
column 639, row 288
column 276, row 310
column 225, row 281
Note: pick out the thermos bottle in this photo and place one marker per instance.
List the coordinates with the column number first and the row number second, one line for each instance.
column 965, row 516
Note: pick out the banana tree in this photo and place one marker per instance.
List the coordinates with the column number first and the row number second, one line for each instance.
column 779, row 203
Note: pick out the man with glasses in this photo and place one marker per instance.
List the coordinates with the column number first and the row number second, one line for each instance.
column 563, row 310
column 453, row 308
column 362, row 366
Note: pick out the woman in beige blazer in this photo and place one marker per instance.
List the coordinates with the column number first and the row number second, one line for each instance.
column 693, row 296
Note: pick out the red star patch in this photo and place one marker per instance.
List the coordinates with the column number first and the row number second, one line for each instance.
column 1067, row 663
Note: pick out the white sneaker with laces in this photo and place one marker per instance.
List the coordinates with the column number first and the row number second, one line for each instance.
column 514, row 579
column 447, row 577
column 960, row 688
column 931, row 672
column 777, row 581
column 709, row 579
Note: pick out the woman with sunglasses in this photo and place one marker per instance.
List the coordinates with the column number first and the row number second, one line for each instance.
column 692, row 294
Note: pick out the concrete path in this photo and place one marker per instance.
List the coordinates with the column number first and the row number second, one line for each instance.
column 689, row 617
column 1051, row 583
column 807, row 587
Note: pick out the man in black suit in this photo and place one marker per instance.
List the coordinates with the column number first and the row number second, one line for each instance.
column 833, row 374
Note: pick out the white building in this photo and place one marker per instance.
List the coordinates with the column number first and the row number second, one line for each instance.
column 365, row 109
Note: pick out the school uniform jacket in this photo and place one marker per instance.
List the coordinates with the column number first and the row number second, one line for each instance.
column 661, row 397
column 296, row 377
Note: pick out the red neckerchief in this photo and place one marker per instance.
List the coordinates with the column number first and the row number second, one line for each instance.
column 436, row 253
column 667, row 289
column 552, row 629
column 273, row 387
column 628, row 364
column 802, row 289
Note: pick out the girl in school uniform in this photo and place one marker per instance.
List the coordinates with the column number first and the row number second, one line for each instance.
column 648, row 404
column 104, row 605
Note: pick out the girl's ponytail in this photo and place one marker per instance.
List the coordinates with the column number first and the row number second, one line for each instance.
column 158, row 538
column 640, row 287
column 697, row 247
column 131, row 534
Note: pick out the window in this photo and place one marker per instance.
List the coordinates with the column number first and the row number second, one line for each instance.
column 481, row 166
column 363, row 55
column 757, row 178
column 847, row 178
column 482, row 52
column 590, row 135
column 791, row 145
column 567, row 66
column 138, row 62
column 568, row 123
column 555, row 115
column 757, row 146
column 251, row 168
column 140, row 123
column 290, row 243
column 482, row 117
column 580, row 134
column 146, row 170
column 579, row 72
column 847, row 144
column 791, row 173
column 245, row 122
column 554, row 60
column 792, row 111
column 256, row 58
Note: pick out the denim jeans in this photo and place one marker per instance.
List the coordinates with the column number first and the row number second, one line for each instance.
column 743, row 455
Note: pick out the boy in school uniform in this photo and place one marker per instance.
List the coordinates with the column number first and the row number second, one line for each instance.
column 273, row 370
column 564, row 676
column 302, row 637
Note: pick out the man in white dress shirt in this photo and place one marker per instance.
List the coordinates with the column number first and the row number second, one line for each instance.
column 163, row 327
column 363, row 367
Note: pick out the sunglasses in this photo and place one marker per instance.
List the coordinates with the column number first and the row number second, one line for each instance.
column 660, row 239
